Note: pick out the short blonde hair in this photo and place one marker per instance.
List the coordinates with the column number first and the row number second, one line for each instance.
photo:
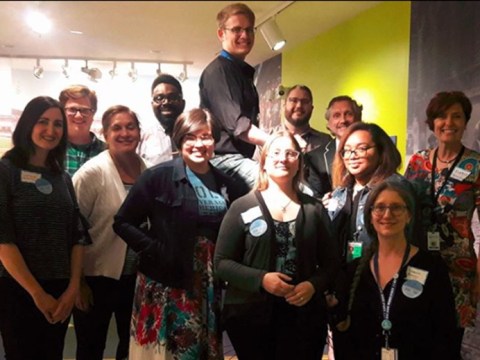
column 78, row 92
column 234, row 9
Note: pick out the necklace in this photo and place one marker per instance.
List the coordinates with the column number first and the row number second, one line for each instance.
column 447, row 161
column 284, row 208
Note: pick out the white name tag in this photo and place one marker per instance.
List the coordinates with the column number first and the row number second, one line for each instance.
column 417, row 274
column 433, row 238
column 389, row 354
column 251, row 214
column 29, row 177
column 459, row 174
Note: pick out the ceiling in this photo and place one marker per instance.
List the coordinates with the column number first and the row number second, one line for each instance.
column 157, row 31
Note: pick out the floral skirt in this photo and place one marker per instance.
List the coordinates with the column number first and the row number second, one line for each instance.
column 176, row 324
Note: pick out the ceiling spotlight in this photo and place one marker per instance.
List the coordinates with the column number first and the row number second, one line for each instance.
column 38, row 70
column 133, row 73
column 113, row 72
column 183, row 75
column 65, row 69
column 93, row 73
column 272, row 34
column 39, row 22
column 159, row 70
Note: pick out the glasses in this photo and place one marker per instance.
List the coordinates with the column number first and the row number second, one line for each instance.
column 302, row 102
column 290, row 155
column 358, row 152
column 72, row 111
column 395, row 210
column 159, row 99
column 237, row 30
column 191, row 140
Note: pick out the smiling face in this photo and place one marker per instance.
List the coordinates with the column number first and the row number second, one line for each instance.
column 360, row 156
column 341, row 116
column 79, row 124
column 298, row 108
column 450, row 125
column 388, row 223
column 197, row 148
column 123, row 134
column 237, row 36
column 167, row 105
column 282, row 160
column 48, row 131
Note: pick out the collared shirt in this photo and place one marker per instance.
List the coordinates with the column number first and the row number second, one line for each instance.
column 155, row 146
column 228, row 91
column 77, row 155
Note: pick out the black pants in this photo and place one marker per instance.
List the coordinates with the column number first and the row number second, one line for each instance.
column 290, row 334
column 26, row 334
column 110, row 296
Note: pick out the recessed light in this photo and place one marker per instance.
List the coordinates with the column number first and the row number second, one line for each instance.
column 39, row 22
column 76, row 32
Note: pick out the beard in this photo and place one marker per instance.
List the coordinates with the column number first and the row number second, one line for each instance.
column 167, row 122
column 299, row 122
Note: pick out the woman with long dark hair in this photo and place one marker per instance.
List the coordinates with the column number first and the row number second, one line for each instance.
column 41, row 236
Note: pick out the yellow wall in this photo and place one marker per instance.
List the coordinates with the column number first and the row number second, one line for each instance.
column 366, row 58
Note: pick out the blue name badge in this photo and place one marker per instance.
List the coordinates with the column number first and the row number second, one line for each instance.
column 44, row 186
column 412, row 289
column 258, row 227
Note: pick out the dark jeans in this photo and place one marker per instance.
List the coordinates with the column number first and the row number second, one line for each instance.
column 288, row 335
column 110, row 296
column 26, row 334
column 243, row 169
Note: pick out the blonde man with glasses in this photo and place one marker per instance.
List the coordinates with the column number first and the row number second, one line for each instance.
column 80, row 104
column 228, row 91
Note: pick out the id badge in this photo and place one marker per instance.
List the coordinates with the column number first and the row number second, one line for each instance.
column 433, row 238
column 389, row 354
column 354, row 249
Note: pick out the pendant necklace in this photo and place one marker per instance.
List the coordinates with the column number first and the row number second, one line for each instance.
column 284, row 208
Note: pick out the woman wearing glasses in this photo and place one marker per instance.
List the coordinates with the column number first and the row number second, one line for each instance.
column 276, row 255
column 448, row 181
column 399, row 303
column 171, row 218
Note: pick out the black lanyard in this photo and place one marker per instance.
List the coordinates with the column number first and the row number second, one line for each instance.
column 386, row 305
column 434, row 195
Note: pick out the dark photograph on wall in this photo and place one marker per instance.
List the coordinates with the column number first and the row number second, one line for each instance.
column 444, row 56
column 268, row 80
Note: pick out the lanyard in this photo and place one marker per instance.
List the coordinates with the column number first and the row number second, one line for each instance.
column 386, row 305
column 434, row 195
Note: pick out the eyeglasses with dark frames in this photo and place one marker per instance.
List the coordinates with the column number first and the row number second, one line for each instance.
column 160, row 99
column 72, row 111
column 395, row 209
column 358, row 152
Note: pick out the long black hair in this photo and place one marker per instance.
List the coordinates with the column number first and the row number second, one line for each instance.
column 23, row 146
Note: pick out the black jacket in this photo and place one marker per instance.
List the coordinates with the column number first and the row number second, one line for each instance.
column 163, row 197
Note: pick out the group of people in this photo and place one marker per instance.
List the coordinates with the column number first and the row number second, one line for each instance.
column 180, row 232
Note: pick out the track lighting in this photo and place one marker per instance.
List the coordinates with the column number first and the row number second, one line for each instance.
column 65, row 69
column 159, row 70
column 272, row 34
column 113, row 72
column 183, row 75
column 93, row 73
column 133, row 73
column 38, row 70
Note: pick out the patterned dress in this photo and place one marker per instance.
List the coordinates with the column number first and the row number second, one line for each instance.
column 179, row 324
column 451, row 216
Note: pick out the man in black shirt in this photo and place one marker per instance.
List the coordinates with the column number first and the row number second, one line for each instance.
column 227, row 90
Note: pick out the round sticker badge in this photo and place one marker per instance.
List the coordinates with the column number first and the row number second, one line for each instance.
column 258, row 227
column 412, row 289
column 44, row 186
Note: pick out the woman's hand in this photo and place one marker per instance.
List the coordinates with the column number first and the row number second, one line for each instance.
column 47, row 305
column 326, row 199
column 276, row 283
column 84, row 299
column 301, row 294
column 65, row 304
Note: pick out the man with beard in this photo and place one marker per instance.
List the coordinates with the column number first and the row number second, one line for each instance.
column 167, row 104
column 341, row 112
column 298, row 108
column 228, row 91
